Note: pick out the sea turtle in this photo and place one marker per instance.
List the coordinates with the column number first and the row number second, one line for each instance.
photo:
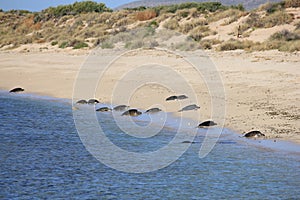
column 132, row 112
column 207, row 124
column 121, row 108
column 188, row 142
column 153, row 110
column 181, row 97
column 93, row 101
column 190, row 107
column 82, row 102
column 15, row 90
column 254, row 134
column 171, row 98
column 104, row 109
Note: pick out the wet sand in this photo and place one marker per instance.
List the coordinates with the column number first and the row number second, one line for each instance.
column 261, row 88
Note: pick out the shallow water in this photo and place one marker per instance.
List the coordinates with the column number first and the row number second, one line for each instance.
column 43, row 157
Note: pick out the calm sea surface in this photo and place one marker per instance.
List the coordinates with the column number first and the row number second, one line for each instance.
column 42, row 157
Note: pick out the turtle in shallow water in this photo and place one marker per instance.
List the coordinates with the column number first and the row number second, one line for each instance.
column 188, row 142
column 120, row 108
column 82, row 101
column 153, row 110
column 132, row 112
column 15, row 90
column 254, row 134
column 93, row 101
column 104, row 109
column 190, row 107
column 207, row 124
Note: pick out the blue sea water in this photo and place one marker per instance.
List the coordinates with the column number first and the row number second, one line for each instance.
column 42, row 157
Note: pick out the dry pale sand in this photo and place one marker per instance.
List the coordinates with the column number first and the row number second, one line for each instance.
column 261, row 89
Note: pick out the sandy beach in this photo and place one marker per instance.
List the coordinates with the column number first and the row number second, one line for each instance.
column 261, row 88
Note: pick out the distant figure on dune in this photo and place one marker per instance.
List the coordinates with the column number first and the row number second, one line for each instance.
column 190, row 107
column 15, row 90
column 239, row 34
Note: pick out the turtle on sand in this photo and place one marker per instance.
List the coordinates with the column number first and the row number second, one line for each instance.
column 181, row 97
column 171, row 98
column 190, row 107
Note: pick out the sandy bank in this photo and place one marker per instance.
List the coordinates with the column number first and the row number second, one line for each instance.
column 261, row 88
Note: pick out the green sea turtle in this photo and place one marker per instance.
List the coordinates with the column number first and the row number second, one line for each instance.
column 181, row 97
column 132, row 112
column 171, row 98
column 188, row 142
column 207, row 124
column 153, row 110
column 104, row 109
column 254, row 134
column 93, row 101
column 120, row 108
column 15, row 90
column 82, row 102
column 190, row 107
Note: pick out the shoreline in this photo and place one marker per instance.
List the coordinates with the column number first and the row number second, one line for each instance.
column 249, row 89
column 283, row 146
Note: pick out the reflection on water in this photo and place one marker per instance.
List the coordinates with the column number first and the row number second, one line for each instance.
column 42, row 157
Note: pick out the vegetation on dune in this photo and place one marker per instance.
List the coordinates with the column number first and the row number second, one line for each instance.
column 283, row 41
column 88, row 24
column 273, row 7
column 72, row 9
column 204, row 7
column 146, row 15
column 285, row 35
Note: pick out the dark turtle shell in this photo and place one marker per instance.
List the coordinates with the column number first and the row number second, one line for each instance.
column 207, row 124
column 82, row 101
column 93, row 101
column 104, row 109
column 16, row 90
column 153, row 110
column 171, row 98
column 132, row 112
column 190, row 107
column 254, row 134
column 121, row 108
column 181, row 97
